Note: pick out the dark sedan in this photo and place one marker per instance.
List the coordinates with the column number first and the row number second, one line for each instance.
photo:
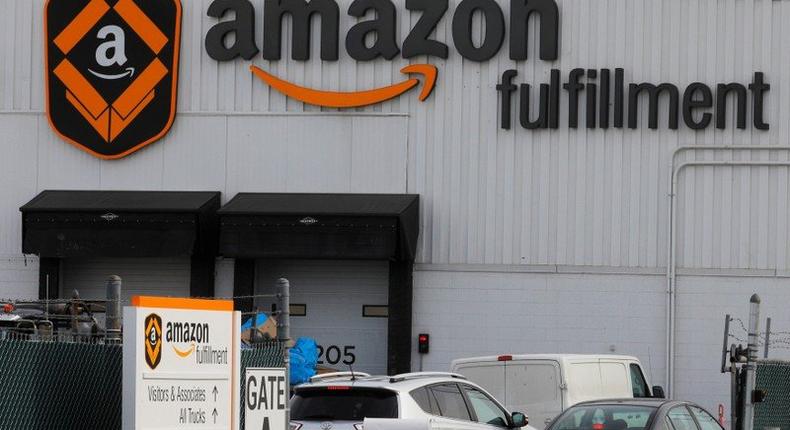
column 635, row 414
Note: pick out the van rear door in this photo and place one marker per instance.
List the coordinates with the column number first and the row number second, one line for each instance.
column 533, row 387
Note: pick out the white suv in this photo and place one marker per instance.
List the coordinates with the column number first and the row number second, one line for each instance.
column 342, row 401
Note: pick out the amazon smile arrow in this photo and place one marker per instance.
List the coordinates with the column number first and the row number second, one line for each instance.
column 128, row 72
column 353, row 99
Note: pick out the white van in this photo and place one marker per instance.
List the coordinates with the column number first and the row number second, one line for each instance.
column 544, row 385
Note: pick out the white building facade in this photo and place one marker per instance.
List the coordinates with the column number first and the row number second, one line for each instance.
column 546, row 238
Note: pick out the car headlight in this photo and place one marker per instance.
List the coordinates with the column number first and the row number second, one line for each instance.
column 296, row 426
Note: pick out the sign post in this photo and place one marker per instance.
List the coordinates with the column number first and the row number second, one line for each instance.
column 266, row 399
column 181, row 364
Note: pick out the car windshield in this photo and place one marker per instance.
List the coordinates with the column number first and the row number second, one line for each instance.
column 605, row 417
column 343, row 404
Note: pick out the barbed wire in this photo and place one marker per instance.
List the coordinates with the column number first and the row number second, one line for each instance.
column 777, row 340
column 761, row 342
column 778, row 333
column 777, row 347
column 741, row 323
column 762, row 333
column 82, row 320
column 127, row 301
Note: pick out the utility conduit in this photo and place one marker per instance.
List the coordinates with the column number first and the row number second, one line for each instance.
column 672, row 231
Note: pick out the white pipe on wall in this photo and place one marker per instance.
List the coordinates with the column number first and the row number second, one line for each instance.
column 672, row 231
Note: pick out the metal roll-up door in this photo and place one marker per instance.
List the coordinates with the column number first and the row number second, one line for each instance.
column 345, row 304
column 141, row 276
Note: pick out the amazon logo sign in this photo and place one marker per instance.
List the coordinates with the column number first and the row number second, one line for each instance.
column 608, row 98
column 234, row 36
column 112, row 65
column 112, row 72
column 190, row 334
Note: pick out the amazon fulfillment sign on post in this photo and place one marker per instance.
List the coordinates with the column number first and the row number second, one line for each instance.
column 181, row 364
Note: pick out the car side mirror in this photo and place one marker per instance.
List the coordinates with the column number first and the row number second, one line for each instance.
column 658, row 392
column 517, row 419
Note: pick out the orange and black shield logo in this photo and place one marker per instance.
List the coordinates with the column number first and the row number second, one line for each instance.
column 153, row 340
column 112, row 72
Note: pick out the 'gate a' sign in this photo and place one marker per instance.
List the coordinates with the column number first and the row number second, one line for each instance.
column 112, row 72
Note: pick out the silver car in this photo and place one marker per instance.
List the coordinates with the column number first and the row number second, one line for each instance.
column 635, row 414
column 444, row 401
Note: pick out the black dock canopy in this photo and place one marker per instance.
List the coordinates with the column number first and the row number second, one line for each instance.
column 66, row 224
column 320, row 226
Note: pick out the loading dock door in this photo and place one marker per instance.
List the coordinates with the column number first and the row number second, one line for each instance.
column 335, row 293
column 141, row 276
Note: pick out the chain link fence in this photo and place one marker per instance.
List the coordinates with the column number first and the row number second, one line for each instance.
column 269, row 354
column 774, row 411
column 54, row 385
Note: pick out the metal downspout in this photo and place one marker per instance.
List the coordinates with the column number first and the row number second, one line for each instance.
column 671, row 242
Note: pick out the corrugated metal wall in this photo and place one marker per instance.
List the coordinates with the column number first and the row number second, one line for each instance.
column 141, row 276
column 334, row 294
column 490, row 196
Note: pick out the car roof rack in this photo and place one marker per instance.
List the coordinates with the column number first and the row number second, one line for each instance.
column 417, row 375
column 338, row 375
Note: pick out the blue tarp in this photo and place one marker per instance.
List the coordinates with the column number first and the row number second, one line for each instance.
column 304, row 354
column 260, row 320
column 304, row 358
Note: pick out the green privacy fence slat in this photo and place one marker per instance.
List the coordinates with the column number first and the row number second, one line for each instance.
column 268, row 355
column 53, row 386
column 49, row 385
column 774, row 378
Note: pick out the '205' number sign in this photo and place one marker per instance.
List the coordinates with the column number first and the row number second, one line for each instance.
column 334, row 355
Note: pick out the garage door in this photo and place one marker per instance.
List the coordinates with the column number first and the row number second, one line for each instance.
column 141, row 276
column 342, row 302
